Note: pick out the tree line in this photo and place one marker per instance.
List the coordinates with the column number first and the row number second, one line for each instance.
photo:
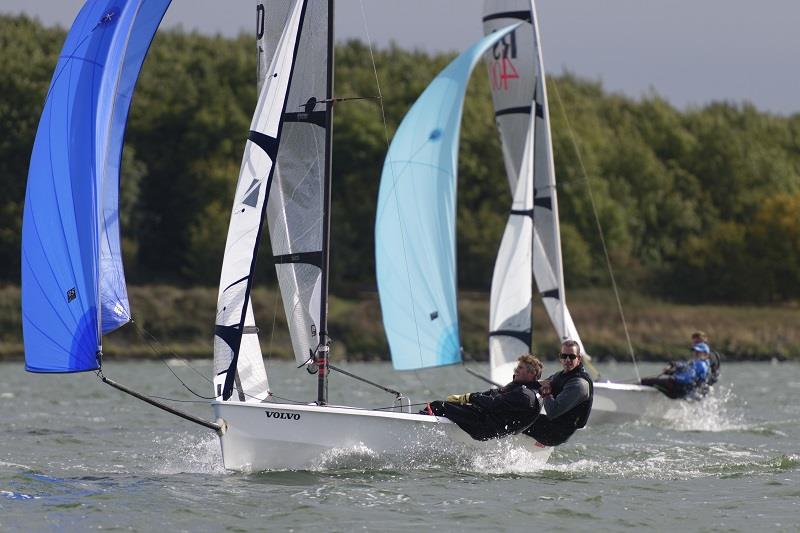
column 695, row 205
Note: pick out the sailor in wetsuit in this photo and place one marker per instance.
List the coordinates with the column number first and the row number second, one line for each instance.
column 567, row 397
column 714, row 360
column 496, row 412
column 685, row 379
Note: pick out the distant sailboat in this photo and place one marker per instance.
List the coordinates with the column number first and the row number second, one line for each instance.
column 531, row 244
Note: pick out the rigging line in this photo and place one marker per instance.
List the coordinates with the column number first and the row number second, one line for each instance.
column 149, row 336
column 480, row 376
column 391, row 167
column 599, row 229
column 297, row 402
column 218, row 427
column 344, row 99
column 364, row 380
column 144, row 334
column 425, row 385
column 395, row 407
column 272, row 331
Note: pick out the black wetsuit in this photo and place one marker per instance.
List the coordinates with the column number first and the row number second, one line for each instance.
column 567, row 411
column 494, row 413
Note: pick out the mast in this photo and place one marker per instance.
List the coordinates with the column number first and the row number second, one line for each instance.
column 322, row 352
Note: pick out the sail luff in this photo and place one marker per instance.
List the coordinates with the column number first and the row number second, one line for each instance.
column 130, row 47
column 250, row 204
column 557, row 307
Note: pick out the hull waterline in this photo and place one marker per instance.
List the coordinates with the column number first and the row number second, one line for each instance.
column 623, row 402
column 267, row 436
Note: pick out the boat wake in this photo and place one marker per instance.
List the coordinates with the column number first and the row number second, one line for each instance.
column 716, row 412
column 188, row 453
column 435, row 451
column 676, row 463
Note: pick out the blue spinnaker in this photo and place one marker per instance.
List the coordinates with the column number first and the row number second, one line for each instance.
column 73, row 284
column 415, row 252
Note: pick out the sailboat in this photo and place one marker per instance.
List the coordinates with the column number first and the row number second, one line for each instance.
column 530, row 249
column 73, row 283
column 286, row 178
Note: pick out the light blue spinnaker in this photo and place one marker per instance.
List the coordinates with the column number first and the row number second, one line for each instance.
column 415, row 252
column 73, row 284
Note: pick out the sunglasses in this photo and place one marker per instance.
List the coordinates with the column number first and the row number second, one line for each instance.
column 570, row 356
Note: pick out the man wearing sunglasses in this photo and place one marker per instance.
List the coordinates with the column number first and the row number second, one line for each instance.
column 567, row 396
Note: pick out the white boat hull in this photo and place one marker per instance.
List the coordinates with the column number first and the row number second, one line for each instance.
column 622, row 402
column 268, row 436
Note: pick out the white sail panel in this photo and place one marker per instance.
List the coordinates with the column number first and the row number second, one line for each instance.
column 516, row 74
column 512, row 65
column 236, row 338
column 251, row 384
column 512, row 284
column 512, row 77
column 295, row 210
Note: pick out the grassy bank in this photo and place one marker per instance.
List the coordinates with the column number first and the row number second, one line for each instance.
column 182, row 321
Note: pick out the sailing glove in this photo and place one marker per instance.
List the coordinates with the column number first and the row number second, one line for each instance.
column 459, row 398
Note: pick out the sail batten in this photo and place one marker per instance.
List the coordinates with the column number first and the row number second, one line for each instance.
column 296, row 209
column 72, row 272
column 415, row 222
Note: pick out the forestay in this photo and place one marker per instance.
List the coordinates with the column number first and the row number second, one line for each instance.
column 415, row 222
column 73, row 283
column 519, row 94
column 237, row 354
column 296, row 204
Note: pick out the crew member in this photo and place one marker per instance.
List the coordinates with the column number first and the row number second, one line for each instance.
column 567, row 398
column 496, row 412
column 714, row 358
column 685, row 379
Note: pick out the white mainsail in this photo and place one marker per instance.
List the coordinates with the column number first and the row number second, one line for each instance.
column 519, row 94
column 296, row 205
column 237, row 354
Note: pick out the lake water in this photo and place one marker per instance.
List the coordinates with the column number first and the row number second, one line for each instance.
column 77, row 455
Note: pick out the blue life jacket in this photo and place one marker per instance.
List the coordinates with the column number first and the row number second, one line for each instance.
column 684, row 373
column 702, row 369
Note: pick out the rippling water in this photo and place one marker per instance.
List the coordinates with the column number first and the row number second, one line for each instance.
column 78, row 455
